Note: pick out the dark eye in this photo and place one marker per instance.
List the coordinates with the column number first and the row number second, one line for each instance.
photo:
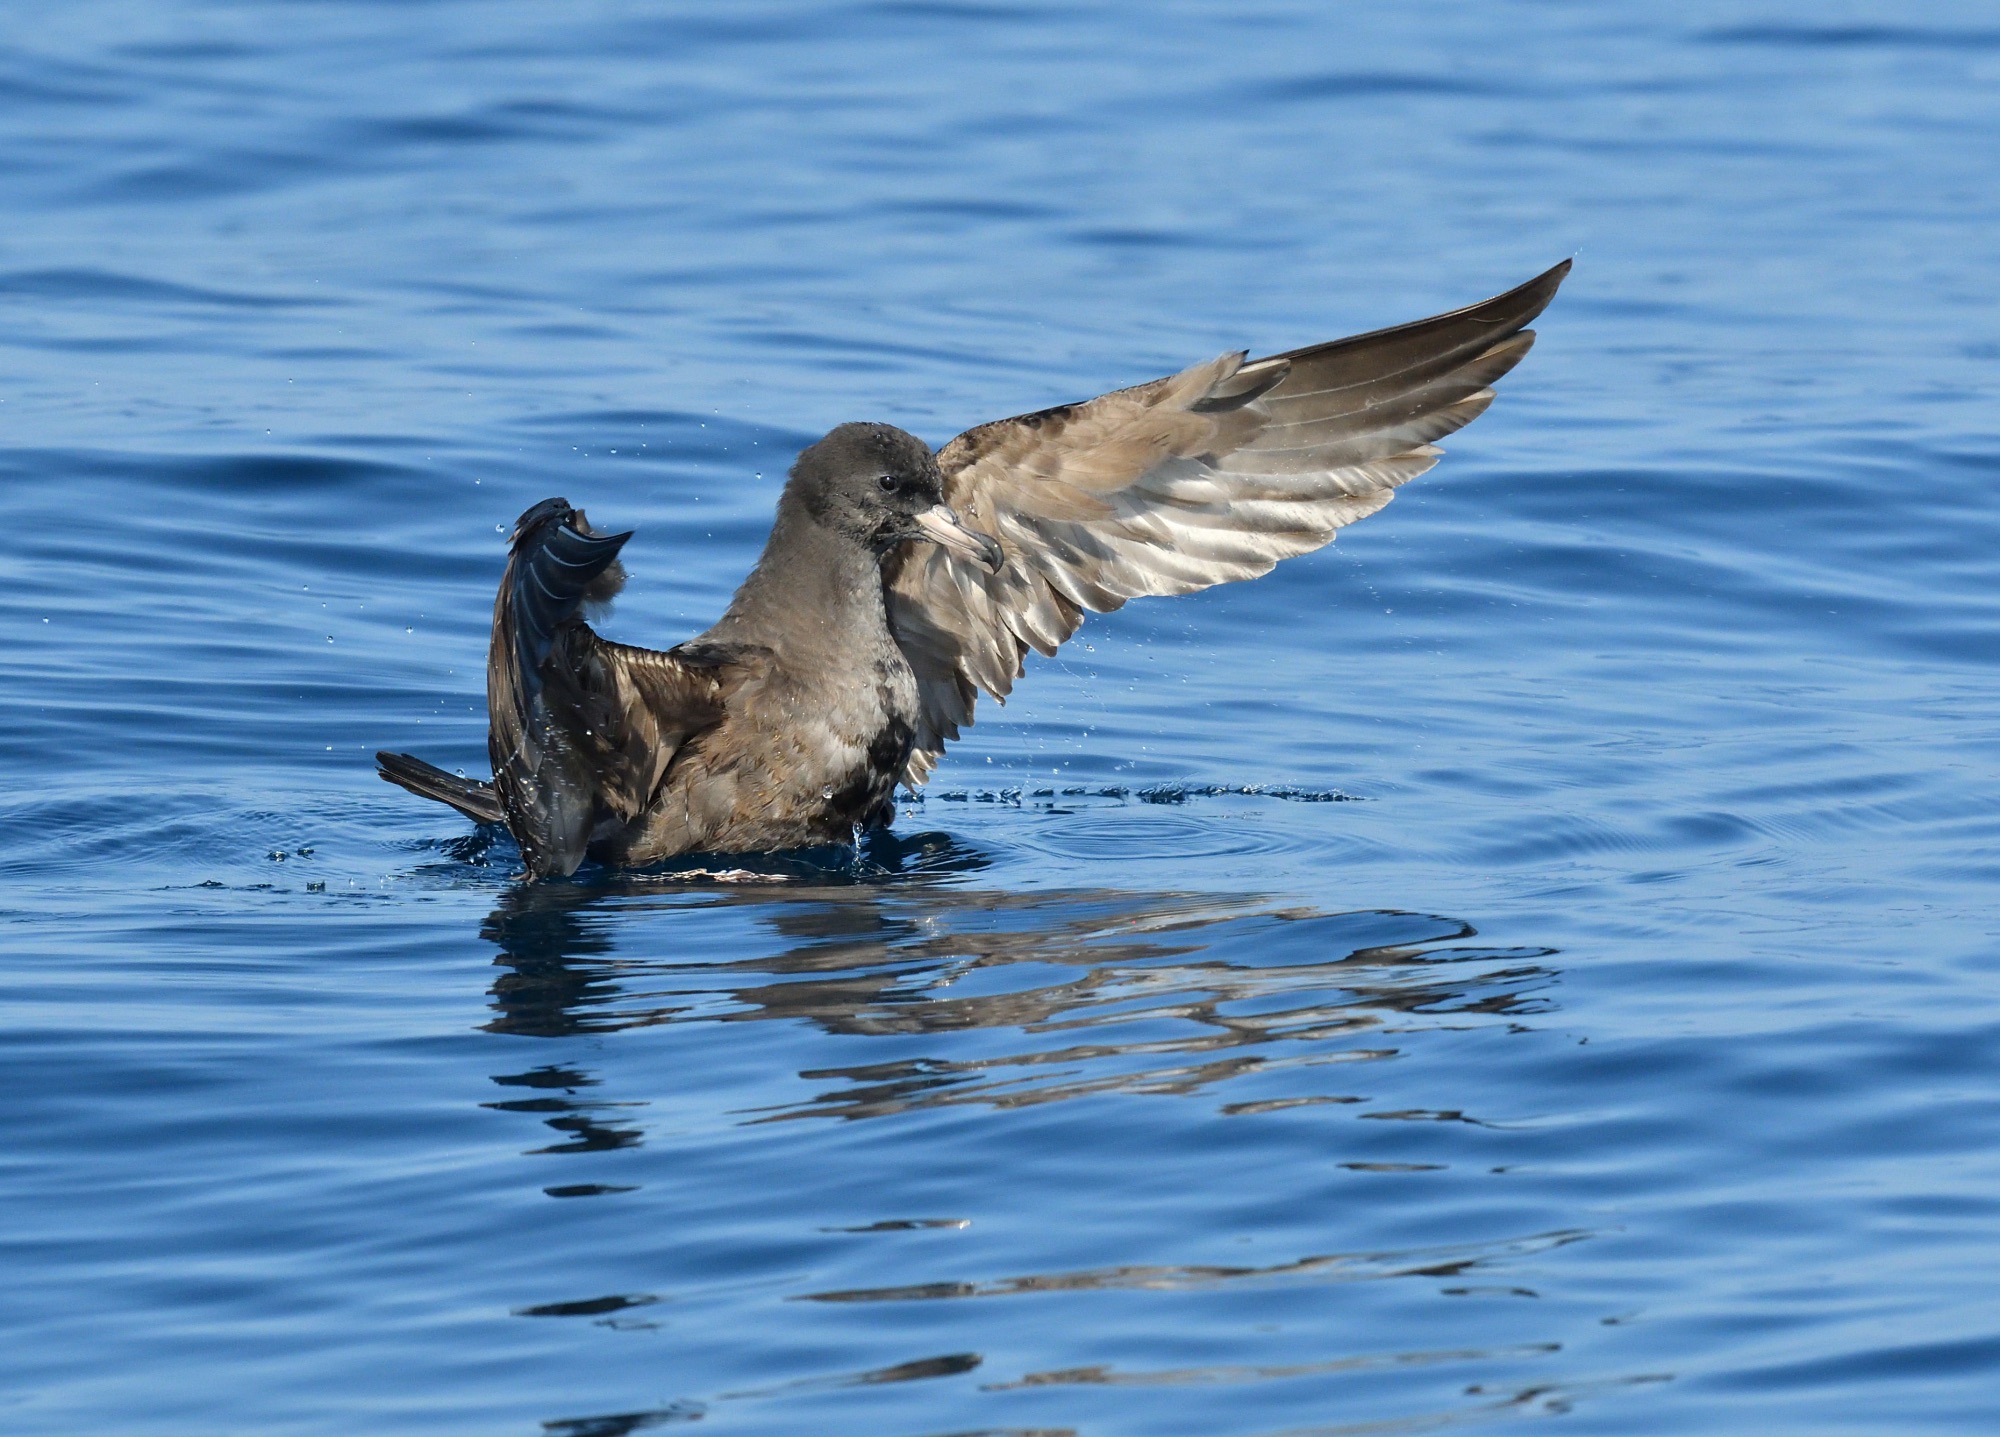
column 888, row 483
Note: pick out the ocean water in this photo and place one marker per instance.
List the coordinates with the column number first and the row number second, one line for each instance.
column 1534, row 961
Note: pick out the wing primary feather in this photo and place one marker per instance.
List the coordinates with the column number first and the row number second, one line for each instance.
column 581, row 731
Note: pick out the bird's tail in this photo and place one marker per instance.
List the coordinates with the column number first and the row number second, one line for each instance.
column 476, row 800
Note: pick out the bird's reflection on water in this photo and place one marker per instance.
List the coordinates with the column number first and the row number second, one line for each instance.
column 991, row 997
column 1096, row 990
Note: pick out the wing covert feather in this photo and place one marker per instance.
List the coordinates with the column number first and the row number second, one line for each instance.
column 1198, row 478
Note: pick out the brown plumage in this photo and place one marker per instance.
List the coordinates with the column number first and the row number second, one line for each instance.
column 898, row 584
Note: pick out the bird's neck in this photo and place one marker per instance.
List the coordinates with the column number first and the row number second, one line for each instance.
column 813, row 588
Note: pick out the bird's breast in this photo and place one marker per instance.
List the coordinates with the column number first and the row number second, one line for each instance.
column 807, row 752
column 824, row 748
column 872, row 725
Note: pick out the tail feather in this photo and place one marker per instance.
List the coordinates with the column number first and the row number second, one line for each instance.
column 476, row 800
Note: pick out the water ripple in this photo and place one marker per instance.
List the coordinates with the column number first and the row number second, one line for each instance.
column 1453, row 1261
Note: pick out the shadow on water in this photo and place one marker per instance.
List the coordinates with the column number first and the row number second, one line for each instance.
column 1094, row 990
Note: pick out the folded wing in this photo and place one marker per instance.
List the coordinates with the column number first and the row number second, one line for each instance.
column 582, row 730
column 1209, row 475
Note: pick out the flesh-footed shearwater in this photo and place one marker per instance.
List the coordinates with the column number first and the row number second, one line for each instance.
column 897, row 584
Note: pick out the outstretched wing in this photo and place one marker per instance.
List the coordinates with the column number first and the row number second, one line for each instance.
column 1212, row 474
column 581, row 730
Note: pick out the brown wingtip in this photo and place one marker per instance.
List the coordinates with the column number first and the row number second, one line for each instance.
column 1488, row 319
column 1523, row 302
column 1519, row 304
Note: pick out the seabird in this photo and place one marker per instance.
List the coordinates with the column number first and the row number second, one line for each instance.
column 898, row 584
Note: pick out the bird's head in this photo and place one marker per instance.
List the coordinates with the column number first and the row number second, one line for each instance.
column 881, row 487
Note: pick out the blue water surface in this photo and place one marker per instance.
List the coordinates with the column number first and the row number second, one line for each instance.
column 1534, row 960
